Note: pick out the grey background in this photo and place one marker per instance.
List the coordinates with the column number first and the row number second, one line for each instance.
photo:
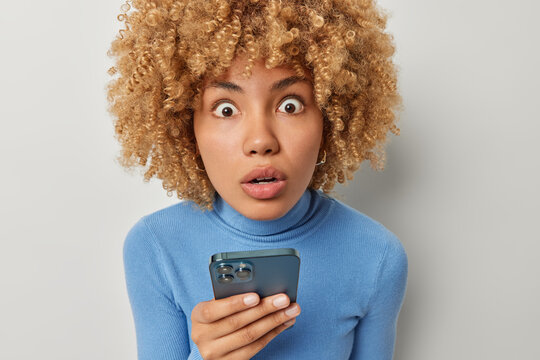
column 460, row 187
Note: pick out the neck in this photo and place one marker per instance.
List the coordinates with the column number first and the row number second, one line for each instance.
column 291, row 219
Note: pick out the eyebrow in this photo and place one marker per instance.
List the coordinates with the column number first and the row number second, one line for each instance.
column 226, row 85
column 284, row 83
column 278, row 85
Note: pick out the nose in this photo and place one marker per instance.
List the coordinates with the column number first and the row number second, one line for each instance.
column 260, row 138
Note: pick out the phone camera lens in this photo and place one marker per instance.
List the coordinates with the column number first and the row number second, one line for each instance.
column 224, row 269
column 225, row 279
column 243, row 273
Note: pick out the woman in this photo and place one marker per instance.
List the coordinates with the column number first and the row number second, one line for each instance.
column 253, row 110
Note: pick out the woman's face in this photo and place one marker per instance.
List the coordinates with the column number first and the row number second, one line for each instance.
column 268, row 122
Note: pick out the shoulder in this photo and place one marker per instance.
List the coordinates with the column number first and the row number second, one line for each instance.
column 182, row 211
column 178, row 216
column 355, row 221
column 158, row 227
column 379, row 248
column 365, row 234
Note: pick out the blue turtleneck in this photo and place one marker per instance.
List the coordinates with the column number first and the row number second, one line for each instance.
column 351, row 286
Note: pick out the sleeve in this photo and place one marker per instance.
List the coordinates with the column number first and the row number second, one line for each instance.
column 160, row 326
column 376, row 332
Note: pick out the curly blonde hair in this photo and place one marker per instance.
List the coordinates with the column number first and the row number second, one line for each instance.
column 169, row 47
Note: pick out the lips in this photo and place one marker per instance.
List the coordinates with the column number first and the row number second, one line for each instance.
column 259, row 173
column 272, row 183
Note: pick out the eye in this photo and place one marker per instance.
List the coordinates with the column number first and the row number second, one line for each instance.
column 291, row 106
column 225, row 109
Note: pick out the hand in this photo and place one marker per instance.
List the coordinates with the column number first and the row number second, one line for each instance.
column 240, row 326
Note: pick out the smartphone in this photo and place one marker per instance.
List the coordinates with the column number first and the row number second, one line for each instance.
column 266, row 272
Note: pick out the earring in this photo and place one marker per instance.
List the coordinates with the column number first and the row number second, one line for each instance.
column 323, row 160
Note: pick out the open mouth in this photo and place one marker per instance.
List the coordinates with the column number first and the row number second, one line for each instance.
column 262, row 181
column 264, row 188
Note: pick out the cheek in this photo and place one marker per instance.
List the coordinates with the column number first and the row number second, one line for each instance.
column 306, row 140
column 302, row 148
column 206, row 137
column 214, row 158
column 217, row 140
column 215, row 150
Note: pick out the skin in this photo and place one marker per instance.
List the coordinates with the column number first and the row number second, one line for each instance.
column 257, row 131
column 230, row 329
column 243, row 124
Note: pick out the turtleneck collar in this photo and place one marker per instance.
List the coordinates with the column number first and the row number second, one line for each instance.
column 294, row 218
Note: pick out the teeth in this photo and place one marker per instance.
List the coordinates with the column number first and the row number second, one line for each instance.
column 266, row 180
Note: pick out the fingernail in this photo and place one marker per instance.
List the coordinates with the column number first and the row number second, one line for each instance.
column 280, row 301
column 292, row 310
column 250, row 300
column 289, row 322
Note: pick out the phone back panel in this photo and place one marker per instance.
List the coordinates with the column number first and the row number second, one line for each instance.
column 271, row 272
